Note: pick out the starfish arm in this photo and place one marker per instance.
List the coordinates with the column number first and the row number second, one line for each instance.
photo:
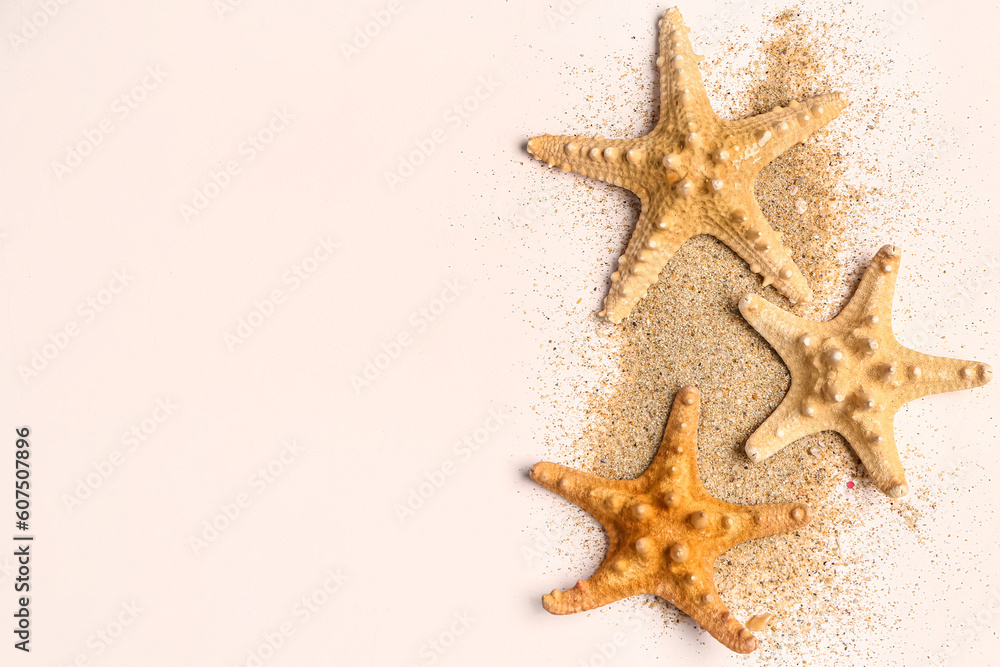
column 654, row 241
column 597, row 495
column 616, row 161
column 709, row 611
column 778, row 327
column 609, row 584
column 750, row 236
column 921, row 375
column 873, row 296
column 784, row 426
column 758, row 521
column 873, row 440
column 758, row 140
column 677, row 456
column 703, row 603
column 682, row 91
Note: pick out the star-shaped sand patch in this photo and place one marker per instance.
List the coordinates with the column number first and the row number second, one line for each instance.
column 850, row 375
column 694, row 174
column 665, row 530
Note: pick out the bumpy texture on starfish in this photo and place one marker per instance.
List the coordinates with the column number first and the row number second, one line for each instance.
column 665, row 530
column 694, row 174
column 850, row 375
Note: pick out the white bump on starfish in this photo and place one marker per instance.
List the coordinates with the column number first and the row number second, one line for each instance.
column 835, row 357
column 642, row 511
column 644, row 546
column 864, row 400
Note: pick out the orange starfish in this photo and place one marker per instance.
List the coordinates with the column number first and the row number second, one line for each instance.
column 665, row 531
column 694, row 174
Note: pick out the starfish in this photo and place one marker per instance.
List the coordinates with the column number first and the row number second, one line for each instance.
column 665, row 531
column 693, row 174
column 850, row 375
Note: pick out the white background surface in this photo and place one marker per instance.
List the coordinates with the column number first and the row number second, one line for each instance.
column 333, row 506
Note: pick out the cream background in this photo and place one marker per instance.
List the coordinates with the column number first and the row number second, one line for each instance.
column 332, row 507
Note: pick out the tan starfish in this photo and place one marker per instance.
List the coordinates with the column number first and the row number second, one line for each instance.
column 850, row 375
column 694, row 174
column 665, row 530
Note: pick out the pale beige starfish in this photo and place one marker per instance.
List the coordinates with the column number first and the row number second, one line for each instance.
column 694, row 174
column 665, row 530
column 850, row 375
